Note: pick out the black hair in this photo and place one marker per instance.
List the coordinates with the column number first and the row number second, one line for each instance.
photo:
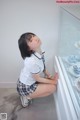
column 23, row 46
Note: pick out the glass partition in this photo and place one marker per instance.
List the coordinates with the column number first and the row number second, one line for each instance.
column 69, row 34
column 69, row 54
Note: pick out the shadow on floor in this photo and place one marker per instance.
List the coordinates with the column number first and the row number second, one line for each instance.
column 40, row 109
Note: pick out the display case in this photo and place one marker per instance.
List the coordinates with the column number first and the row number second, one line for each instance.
column 67, row 64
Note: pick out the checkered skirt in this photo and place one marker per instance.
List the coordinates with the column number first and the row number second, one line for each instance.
column 26, row 89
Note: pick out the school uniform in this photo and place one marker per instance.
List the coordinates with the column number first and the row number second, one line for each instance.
column 32, row 65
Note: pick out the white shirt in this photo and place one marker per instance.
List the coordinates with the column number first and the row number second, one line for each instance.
column 32, row 65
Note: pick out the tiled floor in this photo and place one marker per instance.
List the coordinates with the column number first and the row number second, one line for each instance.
column 40, row 109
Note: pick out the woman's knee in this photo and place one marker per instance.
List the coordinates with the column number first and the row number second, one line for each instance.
column 52, row 88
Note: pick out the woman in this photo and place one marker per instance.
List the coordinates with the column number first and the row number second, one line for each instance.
column 30, row 84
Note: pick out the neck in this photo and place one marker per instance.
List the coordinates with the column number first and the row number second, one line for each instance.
column 39, row 50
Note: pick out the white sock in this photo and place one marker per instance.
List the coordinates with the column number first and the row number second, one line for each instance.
column 29, row 97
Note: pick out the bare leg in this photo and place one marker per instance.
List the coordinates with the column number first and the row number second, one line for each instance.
column 43, row 90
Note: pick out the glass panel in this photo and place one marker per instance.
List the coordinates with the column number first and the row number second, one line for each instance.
column 69, row 52
column 69, row 34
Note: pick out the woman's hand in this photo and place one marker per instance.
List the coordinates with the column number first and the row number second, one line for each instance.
column 55, row 78
column 47, row 75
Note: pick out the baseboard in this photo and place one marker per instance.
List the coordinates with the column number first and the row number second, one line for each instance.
column 7, row 84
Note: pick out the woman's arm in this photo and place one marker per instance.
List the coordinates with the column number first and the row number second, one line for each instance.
column 45, row 80
column 47, row 75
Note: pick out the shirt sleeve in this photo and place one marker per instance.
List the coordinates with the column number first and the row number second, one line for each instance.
column 32, row 66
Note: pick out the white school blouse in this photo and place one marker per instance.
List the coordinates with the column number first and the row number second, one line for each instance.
column 32, row 65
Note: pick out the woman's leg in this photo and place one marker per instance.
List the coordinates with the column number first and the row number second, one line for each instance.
column 43, row 90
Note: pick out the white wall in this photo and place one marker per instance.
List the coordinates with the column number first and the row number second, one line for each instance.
column 18, row 16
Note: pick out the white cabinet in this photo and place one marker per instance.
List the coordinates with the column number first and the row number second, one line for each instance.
column 66, row 102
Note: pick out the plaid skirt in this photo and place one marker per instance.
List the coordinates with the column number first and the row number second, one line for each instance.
column 26, row 89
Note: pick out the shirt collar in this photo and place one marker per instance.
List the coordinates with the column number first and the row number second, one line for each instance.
column 39, row 56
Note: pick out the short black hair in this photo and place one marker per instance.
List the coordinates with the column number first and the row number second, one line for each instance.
column 23, row 46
